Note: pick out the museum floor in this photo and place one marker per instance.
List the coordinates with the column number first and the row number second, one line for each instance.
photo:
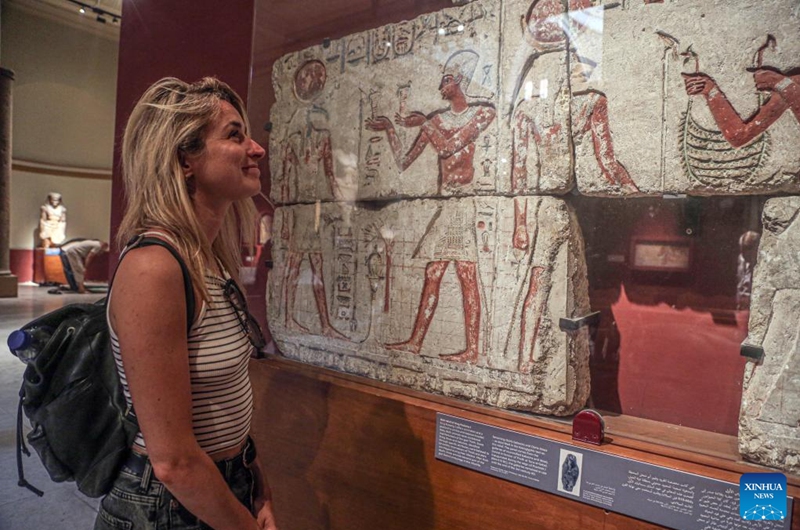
column 62, row 506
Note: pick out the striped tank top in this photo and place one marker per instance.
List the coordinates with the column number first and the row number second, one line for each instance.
column 219, row 351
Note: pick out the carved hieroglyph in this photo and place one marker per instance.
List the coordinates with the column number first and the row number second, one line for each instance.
column 769, row 423
column 460, row 296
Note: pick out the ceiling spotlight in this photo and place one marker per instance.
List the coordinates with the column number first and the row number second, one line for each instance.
column 101, row 15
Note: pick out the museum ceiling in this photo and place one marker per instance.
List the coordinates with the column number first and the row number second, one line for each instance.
column 98, row 16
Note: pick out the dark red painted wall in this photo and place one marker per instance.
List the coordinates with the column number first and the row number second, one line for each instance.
column 667, row 347
column 21, row 264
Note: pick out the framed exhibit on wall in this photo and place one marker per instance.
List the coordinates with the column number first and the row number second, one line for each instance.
column 661, row 256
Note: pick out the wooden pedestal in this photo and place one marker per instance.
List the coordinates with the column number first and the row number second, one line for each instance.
column 38, row 265
column 54, row 270
column 48, row 268
column 344, row 452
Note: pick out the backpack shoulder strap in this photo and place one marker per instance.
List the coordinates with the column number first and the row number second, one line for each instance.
column 188, row 289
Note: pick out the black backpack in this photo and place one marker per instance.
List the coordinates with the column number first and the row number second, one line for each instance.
column 71, row 393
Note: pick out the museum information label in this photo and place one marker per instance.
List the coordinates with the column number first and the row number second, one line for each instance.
column 660, row 495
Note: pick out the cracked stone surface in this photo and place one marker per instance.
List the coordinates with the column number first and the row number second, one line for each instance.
column 352, row 290
column 769, row 422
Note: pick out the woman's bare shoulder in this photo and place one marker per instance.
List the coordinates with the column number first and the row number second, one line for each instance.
column 153, row 263
column 149, row 279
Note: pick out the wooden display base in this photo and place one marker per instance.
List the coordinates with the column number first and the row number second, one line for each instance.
column 8, row 286
column 54, row 270
column 347, row 452
column 38, row 265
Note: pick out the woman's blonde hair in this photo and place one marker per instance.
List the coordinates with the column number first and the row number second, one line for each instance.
column 166, row 125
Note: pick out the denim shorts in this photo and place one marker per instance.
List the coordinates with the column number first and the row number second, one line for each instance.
column 139, row 501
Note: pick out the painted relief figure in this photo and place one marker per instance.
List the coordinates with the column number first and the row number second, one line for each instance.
column 590, row 115
column 543, row 25
column 450, row 236
column 747, row 137
column 531, row 314
column 306, row 241
column 543, row 127
column 540, row 140
column 306, row 147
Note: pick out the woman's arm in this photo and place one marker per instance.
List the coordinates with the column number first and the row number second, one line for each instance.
column 148, row 312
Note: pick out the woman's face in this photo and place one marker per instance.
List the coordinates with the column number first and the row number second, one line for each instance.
column 227, row 168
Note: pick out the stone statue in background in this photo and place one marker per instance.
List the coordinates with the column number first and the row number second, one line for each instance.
column 52, row 221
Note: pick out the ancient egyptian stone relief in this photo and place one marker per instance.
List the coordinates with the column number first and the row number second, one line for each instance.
column 416, row 244
column 556, row 101
column 619, row 112
column 770, row 416
column 374, row 111
column 736, row 152
column 700, row 82
column 461, row 295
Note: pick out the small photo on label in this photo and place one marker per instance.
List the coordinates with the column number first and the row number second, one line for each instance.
column 570, row 471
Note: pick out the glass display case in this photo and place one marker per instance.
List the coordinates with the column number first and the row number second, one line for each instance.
column 452, row 181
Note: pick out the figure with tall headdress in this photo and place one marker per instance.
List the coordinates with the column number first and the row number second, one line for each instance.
column 452, row 132
column 546, row 131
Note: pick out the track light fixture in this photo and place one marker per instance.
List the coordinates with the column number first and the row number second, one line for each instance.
column 102, row 16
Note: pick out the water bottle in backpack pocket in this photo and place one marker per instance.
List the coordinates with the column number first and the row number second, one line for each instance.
column 27, row 343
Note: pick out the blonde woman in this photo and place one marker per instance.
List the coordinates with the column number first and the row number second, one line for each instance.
column 190, row 168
